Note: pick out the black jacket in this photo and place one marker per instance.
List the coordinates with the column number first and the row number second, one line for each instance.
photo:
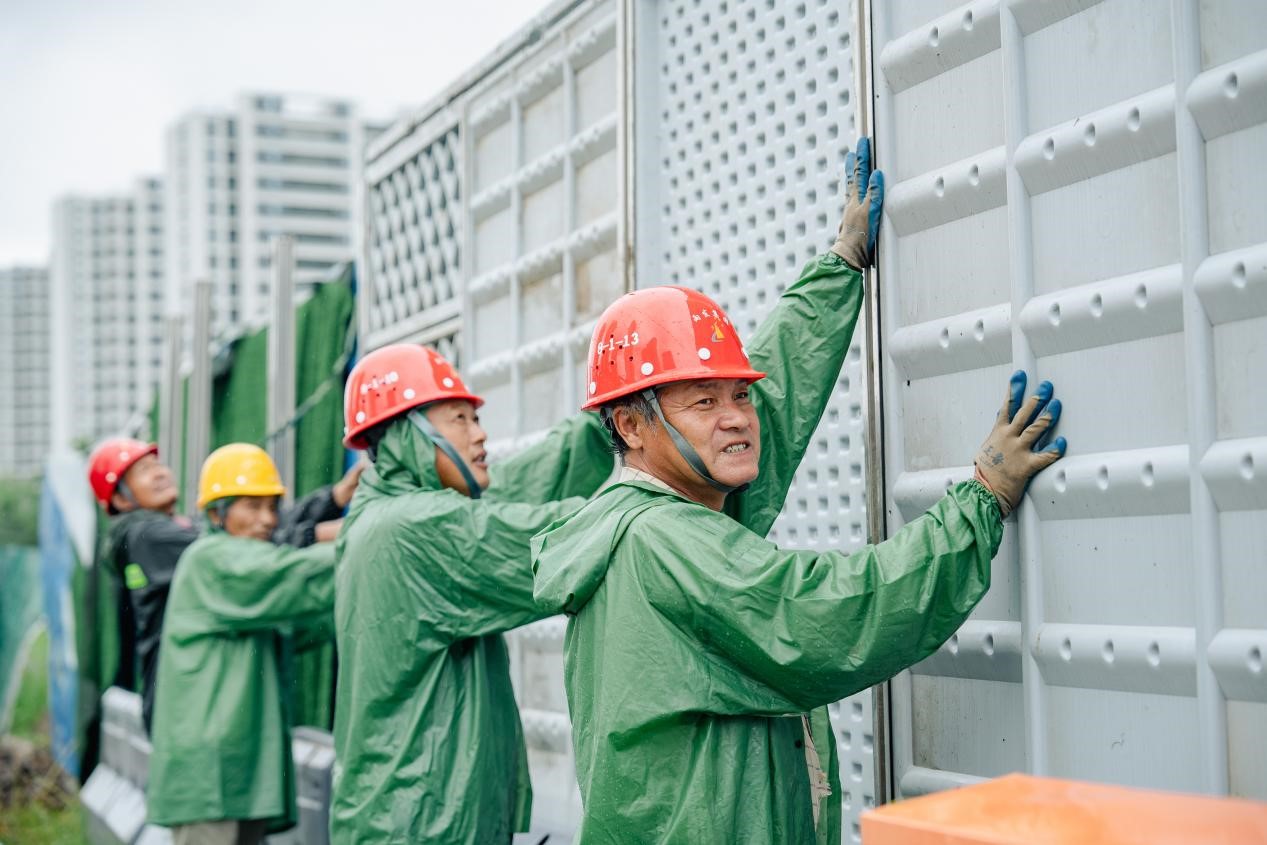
column 143, row 548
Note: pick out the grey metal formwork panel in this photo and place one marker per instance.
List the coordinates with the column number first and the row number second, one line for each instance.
column 744, row 113
column 1075, row 190
column 543, row 224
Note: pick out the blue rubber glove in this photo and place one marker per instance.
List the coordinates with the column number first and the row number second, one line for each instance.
column 1017, row 449
column 864, row 201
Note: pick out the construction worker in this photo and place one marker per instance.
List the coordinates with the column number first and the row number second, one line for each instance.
column 221, row 769
column 695, row 646
column 138, row 491
column 433, row 567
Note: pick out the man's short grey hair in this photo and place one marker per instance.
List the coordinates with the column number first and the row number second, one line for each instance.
column 635, row 404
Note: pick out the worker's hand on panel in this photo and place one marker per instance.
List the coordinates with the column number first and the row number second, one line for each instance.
column 1020, row 446
column 864, row 200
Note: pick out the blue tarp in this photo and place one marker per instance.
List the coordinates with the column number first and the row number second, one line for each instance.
column 57, row 552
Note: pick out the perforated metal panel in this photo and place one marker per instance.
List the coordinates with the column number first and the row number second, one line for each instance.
column 1076, row 189
column 744, row 114
column 414, row 234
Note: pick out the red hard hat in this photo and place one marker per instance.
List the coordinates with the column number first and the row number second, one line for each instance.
column 389, row 381
column 660, row 335
column 110, row 461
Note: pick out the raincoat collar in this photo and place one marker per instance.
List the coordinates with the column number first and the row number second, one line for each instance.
column 570, row 558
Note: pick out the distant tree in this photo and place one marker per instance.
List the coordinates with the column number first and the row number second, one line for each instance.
column 19, row 511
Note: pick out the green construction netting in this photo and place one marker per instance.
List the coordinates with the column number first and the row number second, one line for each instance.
column 239, row 401
column 19, row 610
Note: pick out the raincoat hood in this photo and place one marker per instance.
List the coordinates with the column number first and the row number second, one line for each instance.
column 570, row 558
column 405, row 461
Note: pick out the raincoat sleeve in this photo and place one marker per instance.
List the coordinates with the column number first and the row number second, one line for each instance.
column 485, row 587
column 787, row 631
column 801, row 348
column 254, row 585
column 574, row 460
column 297, row 525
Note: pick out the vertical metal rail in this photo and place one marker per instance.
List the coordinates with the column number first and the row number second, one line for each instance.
column 1021, row 269
column 633, row 98
column 1199, row 364
column 875, row 491
column 281, row 362
column 891, row 450
column 198, row 425
column 640, row 109
column 171, row 410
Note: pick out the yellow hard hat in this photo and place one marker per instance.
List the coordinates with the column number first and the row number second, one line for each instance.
column 238, row 469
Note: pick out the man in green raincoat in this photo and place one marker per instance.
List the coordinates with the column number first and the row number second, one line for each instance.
column 433, row 567
column 696, row 647
column 221, row 770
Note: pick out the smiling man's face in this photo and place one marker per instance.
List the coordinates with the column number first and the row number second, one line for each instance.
column 718, row 419
column 457, row 421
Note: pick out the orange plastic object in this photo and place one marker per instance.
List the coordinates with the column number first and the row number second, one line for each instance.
column 1025, row 810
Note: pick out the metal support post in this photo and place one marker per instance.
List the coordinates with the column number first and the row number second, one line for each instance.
column 198, row 426
column 281, row 362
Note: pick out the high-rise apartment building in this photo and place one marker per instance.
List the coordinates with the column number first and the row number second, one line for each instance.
column 276, row 164
column 25, row 375
column 108, row 295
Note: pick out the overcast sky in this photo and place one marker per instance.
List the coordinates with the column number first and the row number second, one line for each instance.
column 87, row 86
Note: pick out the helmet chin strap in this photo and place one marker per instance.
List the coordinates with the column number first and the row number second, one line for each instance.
column 687, row 450
column 126, row 492
column 221, row 509
column 419, row 419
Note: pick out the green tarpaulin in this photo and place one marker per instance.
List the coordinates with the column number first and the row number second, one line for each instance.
column 19, row 610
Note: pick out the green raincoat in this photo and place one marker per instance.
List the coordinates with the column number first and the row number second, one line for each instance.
column 427, row 737
column 236, row 609
column 695, row 643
